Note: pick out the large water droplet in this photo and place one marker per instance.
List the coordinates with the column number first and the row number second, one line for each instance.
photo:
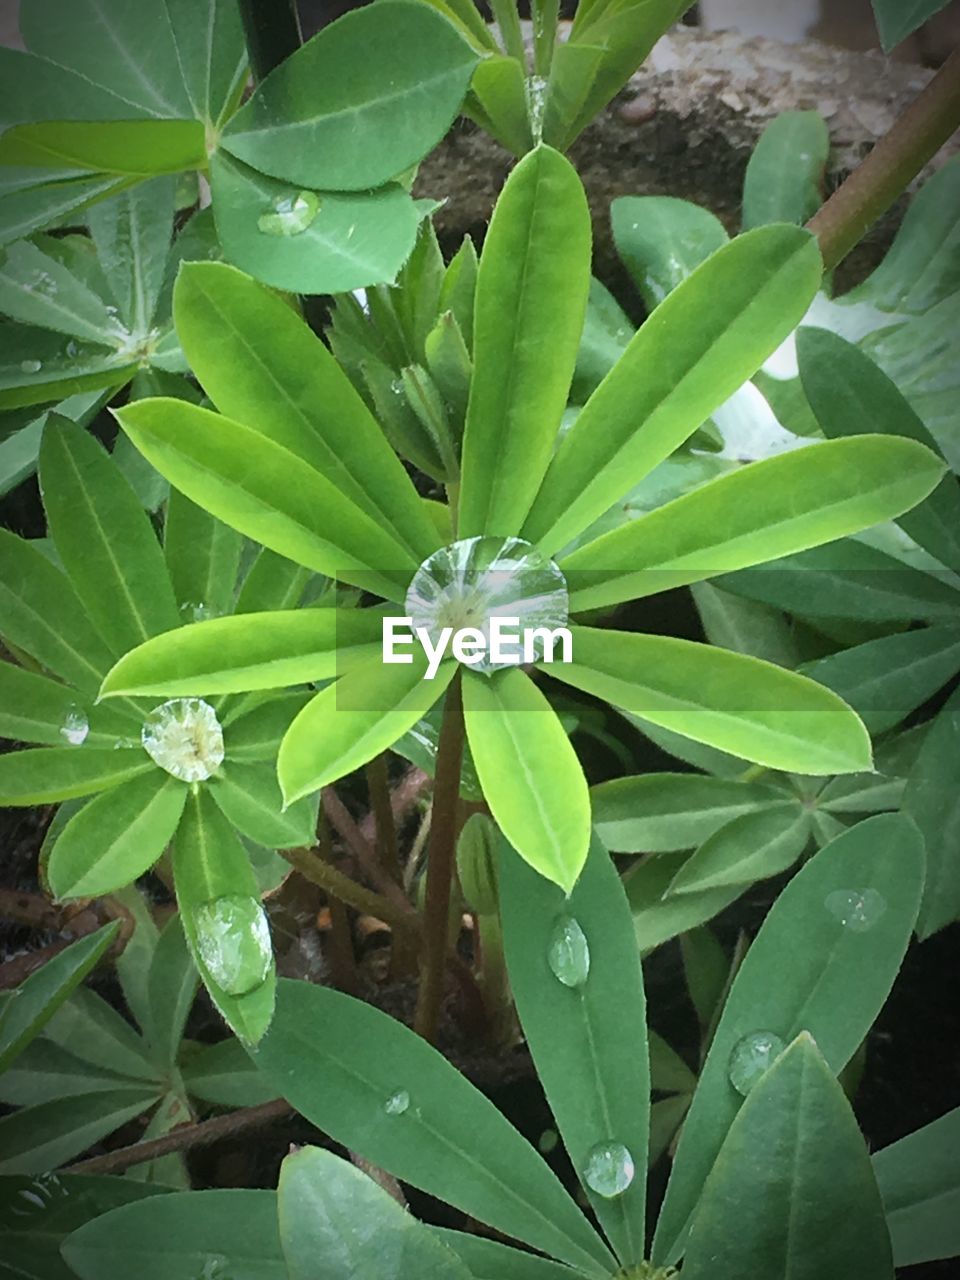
column 31, row 366
column 398, row 1103
column 568, row 953
column 751, row 1057
column 233, row 938
column 609, row 1169
column 184, row 737
column 473, row 581
column 856, row 909
column 290, row 214
column 75, row 727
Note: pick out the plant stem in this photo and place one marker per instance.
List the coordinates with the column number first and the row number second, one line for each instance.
column 339, row 818
column 343, row 960
column 891, row 166
column 441, row 864
column 313, row 868
column 185, row 1138
column 378, row 783
column 272, row 29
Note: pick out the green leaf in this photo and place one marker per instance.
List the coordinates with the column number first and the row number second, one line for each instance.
column 249, row 651
column 897, row 19
column 132, row 235
column 176, row 1236
column 353, row 720
column 702, row 343
column 273, row 582
column 202, row 556
column 249, row 796
column 321, row 1200
column 489, row 1260
column 498, row 102
column 104, row 539
column 37, row 289
column 744, row 626
column 807, row 970
column 46, row 775
column 886, row 679
column 591, row 1061
column 365, row 99
column 94, row 1032
column 35, row 709
column 36, row 1214
column 37, row 1139
column 261, row 364
column 45, row 88
column 850, row 396
column 530, row 300
column 266, row 492
column 44, row 991
column 210, row 863
column 45, row 1072
column 117, row 837
column 920, row 1186
column 224, row 1075
column 659, row 915
column 355, row 239
column 339, row 1061
column 529, row 772
column 20, row 450
column 751, row 708
column 171, row 988
column 784, row 180
column 662, row 240
column 760, row 512
column 135, row 148
column 211, row 54
column 38, row 366
column 753, row 847
column 40, row 203
column 795, row 1172
column 932, row 799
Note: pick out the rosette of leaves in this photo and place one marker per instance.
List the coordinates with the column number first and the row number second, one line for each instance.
column 303, row 175
column 296, row 460
column 767, row 1130
column 82, row 1070
column 137, row 777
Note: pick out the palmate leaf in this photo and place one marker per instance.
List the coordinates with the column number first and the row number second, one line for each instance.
column 529, row 300
column 29, row 203
column 20, row 450
column 699, row 346
column 249, row 796
column 760, row 512
column 46, row 775
column 202, row 556
column 38, row 366
column 920, row 1185
column 132, row 235
column 823, row 962
column 40, row 290
column 37, row 1139
column 932, row 799
column 38, row 710
column 359, row 103
column 754, row 847
column 171, row 986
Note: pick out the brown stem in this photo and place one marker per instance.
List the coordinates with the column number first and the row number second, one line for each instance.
column 891, row 166
column 378, row 782
column 441, row 863
column 185, row 1138
column 313, row 868
column 340, row 819
column 402, row 799
column 343, row 960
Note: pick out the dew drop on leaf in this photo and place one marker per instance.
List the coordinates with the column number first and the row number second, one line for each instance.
column 568, row 953
column 196, row 611
column 183, row 736
column 73, row 348
column 751, row 1057
column 609, row 1169
column 398, row 1103
column 856, row 909
column 31, row 366
column 291, row 214
column 75, row 727
column 233, row 938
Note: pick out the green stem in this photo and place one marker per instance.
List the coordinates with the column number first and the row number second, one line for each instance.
column 378, row 784
column 313, row 868
column 441, row 863
column 272, row 30
column 891, row 166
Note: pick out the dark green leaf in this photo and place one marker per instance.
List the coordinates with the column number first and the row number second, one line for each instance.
column 920, row 1185
column 932, row 799
column 784, row 180
column 662, row 240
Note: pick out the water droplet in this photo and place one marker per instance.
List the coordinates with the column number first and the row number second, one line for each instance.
column 45, row 284
column 233, row 938
column 184, row 737
column 214, row 1267
column 473, row 581
column 856, row 909
column 75, row 726
column 197, row 612
column 609, row 1169
column 126, row 744
column 398, row 1103
column 536, row 104
column 568, row 954
column 73, row 348
column 751, row 1057
column 290, row 214
column 31, row 366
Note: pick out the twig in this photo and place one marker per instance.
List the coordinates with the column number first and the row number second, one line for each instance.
column 891, row 166
column 441, row 863
column 378, row 783
column 402, row 799
column 343, row 960
column 185, row 1138
column 313, row 868
column 339, row 818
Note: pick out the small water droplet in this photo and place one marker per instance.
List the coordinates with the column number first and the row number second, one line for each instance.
column 197, row 612
column 184, row 737
column 751, row 1057
column 398, row 1103
column 609, row 1169
column 568, row 954
column 73, row 348
column 291, row 214
column 31, row 366
column 214, row 1267
column 126, row 744
column 856, row 909
column 75, row 727
column 233, row 938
